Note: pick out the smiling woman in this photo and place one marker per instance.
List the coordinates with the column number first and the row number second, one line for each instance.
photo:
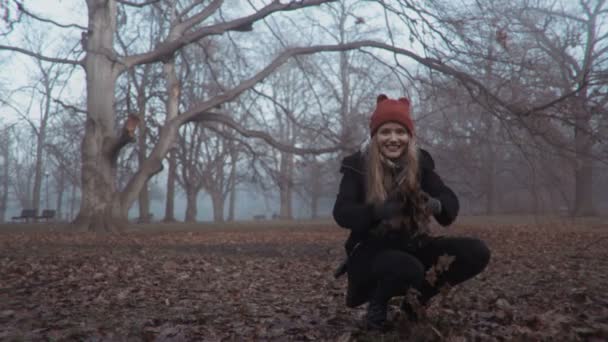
column 387, row 195
column 393, row 139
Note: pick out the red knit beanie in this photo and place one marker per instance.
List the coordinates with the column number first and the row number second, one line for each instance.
column 389, row 110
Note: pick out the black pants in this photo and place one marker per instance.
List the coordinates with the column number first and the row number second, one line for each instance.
column 389, row 272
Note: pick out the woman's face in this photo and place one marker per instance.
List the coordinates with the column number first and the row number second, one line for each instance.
column 392, row 139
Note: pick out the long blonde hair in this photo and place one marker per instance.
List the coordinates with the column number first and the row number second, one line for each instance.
column 377, row 189
column 379, row 180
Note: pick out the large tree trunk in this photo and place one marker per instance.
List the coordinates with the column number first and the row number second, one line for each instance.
column 144, row 205
column 217, row 200
column 100, row 208
column 103, row 206
column 191, row 204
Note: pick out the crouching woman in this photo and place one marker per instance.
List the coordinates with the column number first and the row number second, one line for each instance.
column 387, row 195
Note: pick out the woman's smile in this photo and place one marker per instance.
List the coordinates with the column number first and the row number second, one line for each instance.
column 393, row 139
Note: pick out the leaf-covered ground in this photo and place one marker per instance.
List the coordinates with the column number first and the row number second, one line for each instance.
column 544, row 282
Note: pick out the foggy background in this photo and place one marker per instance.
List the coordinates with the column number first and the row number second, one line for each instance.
column 510, row 100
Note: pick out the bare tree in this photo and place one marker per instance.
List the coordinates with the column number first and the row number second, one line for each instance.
column 531, row 54
column 5, row 154
column 104, row 205
column 23, row 166
column 64, row 154
column 190, row 174
column 579, row 55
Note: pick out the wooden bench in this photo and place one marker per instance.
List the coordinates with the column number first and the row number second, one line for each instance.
column 259, row 217
column 26, row 215
column 47, row 215
column 147, row 219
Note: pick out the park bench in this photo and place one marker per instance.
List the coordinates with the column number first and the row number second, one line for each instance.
column 47, row 215
column 259, row 217
column 26, row 214
column 146, row 219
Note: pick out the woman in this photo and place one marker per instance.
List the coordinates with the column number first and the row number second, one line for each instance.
column 387, row 194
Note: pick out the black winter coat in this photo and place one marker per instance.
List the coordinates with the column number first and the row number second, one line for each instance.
column 352, row 212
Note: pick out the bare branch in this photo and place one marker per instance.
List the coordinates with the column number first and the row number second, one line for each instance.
column 41, row 57
column 228, row 121
column 168, row 48
column 30, row 14
column 70, row 107
column 135, row 4
column 320, row 131
column 553, row 102
column 431, row 63
column 22, row 114
column 557, row 14
column 204, row 14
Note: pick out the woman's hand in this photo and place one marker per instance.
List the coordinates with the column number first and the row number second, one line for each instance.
column 434, row 205
column 388, row 209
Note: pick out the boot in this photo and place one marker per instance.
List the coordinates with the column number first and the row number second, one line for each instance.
column 408, row 311
column 375, row 318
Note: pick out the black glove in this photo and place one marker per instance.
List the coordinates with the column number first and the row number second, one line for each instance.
column 388, row 209
column 434, row 205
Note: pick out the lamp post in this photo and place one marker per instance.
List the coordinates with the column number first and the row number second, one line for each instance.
column 46, row 176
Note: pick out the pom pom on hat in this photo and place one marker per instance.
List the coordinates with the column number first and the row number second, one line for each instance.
column 390, row 110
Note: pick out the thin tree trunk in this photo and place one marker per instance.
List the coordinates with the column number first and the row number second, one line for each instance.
column 584, row 190
column 314, row 207
column 5, row 180
column 347, row 137
column 232, row 188
column 232, row 203
column 315, row 192
column 490, row 157
column 144, row 194
column 60, row 191
column 41, row 137
column 490, row 182
column 170, row 201
column 285, row 186
column 38, row 170
column 583, row 170
column 72, row 201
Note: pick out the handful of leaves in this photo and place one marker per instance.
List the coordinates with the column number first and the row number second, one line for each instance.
column 399, row 212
